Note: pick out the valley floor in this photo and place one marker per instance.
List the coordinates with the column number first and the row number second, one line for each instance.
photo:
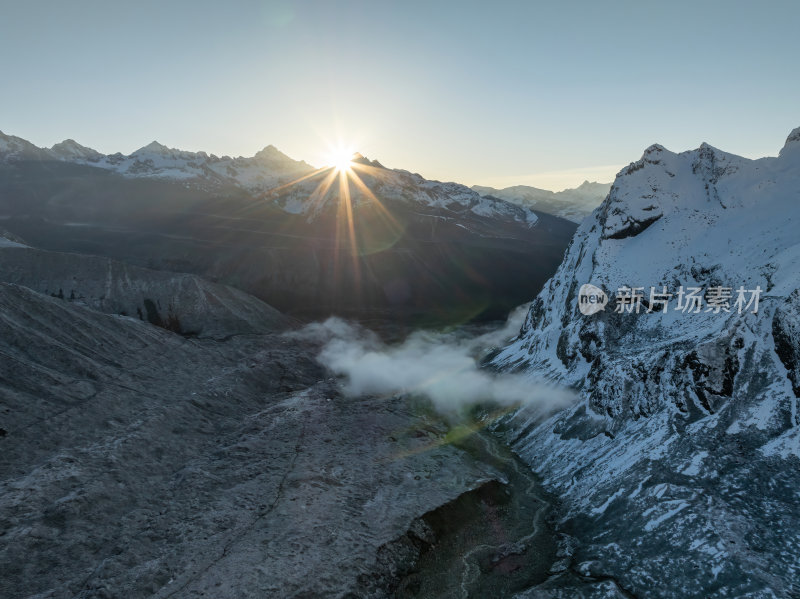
column 138, row 463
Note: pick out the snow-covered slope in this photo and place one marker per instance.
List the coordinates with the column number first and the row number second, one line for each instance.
column 572, row 204
column 679, row 469
column 369, row 181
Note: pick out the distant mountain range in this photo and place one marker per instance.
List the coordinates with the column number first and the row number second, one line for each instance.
column 572, row 204
column 268, row 168
column 307, row 241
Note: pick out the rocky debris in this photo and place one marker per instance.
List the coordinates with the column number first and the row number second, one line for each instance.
column 139, row 463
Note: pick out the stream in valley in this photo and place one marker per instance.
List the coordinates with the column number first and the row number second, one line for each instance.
column 492, row 542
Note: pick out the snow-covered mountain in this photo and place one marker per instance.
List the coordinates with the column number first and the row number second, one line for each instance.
column 681, row 462
column 16, row 148
column 572, row 204
column 268, row 170
column 307, row 241
column 395, row 185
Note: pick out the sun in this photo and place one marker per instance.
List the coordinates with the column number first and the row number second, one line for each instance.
column 359, row 230
column 340, row 158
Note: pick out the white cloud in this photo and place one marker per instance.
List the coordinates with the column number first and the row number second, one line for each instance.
column 441, row 366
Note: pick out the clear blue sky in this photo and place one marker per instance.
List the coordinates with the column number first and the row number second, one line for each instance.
column 495, row 93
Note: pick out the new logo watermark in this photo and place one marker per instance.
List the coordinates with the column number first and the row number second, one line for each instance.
column 591, row 299
column 687, row 300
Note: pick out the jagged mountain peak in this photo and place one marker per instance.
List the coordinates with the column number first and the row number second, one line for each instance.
column 792, row 142
column 706, row 150
column 654, row 149
column 69, row 148
column 644, row 191
column 17, row 148
column 359, row 158
column 69, row 143
column 269, row 150
column 271, row 153
column 153, row 147
column 705, row 201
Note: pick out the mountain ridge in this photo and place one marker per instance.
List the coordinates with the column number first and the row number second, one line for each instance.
column 263, row 173
column 156, row 160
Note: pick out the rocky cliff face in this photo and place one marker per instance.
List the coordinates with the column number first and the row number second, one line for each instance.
column 679, row 467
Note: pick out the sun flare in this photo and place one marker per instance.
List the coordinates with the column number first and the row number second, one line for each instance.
column 341, row 158
column 362, row 224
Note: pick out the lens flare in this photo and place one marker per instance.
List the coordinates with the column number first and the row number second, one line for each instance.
column 363, row 225
column 341, row 158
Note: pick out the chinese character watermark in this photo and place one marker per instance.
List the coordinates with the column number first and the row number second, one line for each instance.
column 687, row 300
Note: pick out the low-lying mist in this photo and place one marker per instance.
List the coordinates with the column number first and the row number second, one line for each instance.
column 442, row 366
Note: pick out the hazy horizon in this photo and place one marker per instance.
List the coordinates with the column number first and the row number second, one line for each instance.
column 508, row 94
